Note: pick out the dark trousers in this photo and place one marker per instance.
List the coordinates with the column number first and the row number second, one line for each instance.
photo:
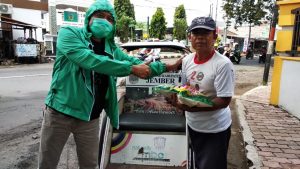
column 210, row 149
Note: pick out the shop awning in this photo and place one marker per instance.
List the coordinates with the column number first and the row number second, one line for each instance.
column 15, row 24
column 228, row 33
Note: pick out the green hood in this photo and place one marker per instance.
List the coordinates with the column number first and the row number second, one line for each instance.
column 100, row 5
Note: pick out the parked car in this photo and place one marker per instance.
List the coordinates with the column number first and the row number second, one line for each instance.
column 155, row 51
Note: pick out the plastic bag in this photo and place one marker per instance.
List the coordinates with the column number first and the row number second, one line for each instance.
column 186, row 95
column 165, row 90
column 194, row 100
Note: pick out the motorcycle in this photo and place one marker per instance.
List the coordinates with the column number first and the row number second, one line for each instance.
column 262, row 58
column 263, row 55
column 250, row 54
column 227, row 53
column 221, row 49
column 235, row 56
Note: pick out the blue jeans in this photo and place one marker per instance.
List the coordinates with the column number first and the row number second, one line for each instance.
column 210, row 149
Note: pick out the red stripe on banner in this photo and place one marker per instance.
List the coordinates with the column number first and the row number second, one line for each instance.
column 123, row 146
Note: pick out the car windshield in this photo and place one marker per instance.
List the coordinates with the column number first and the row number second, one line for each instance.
column 162, row 52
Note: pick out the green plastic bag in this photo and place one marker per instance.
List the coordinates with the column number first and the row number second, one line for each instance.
column 166, row 90
column 194, row 100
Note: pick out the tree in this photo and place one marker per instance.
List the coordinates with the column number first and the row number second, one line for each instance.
column 125, row 18
column 141, row 25
column 124, row 7
column 246, row 11
column 158, row 24
column 180, row 24
column 123, row 28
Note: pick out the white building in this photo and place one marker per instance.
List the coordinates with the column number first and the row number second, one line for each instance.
column 21, row 17
column 28, row 16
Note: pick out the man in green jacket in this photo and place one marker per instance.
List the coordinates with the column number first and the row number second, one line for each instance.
column 84, row 83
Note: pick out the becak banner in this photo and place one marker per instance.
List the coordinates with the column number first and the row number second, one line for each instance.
column 165, row 78
column 140, row 97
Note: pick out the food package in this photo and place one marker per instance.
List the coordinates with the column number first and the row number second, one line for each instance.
column 186, row 95
column 197, row 100
column 166, row 90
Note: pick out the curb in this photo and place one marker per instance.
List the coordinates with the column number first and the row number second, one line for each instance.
column 169, row 57
column 251, row 153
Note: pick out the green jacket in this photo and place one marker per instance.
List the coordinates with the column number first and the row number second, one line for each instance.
column 71, row 90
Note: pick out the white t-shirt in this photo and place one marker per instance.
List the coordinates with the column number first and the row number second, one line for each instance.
column 215, row 78
column 153, row 54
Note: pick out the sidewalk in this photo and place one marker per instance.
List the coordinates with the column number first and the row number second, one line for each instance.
column 271, row 135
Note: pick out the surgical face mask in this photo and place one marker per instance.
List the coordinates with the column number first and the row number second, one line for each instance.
column 101, row 28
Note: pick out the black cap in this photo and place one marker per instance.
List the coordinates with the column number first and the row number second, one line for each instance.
column 202, row 22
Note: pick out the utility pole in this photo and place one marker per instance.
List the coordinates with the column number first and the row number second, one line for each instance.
column 216, row 11
column 52, row 17
column 225, row 31
column 148, row 32
column 210, row 10
column 270, row 45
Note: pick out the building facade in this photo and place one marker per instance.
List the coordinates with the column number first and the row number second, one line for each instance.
column 288, row 38
column 20, row 20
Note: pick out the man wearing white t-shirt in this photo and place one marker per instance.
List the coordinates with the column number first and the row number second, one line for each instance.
column 153, row 55
column 213, row 75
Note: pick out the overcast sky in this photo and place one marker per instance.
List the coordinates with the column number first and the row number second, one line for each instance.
column 194, row 8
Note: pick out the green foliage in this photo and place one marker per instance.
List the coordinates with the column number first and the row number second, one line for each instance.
column 246, row 11
column 124, row 7
column 252, row 12
column 158, row 24
column 141, row 25
column 131, row 11
column 180, row 24
column 180, row 12
column 125, row 18
column 123, row 28
column 179, row 31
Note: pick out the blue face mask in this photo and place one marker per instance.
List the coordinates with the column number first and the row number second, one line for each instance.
column 101, row 28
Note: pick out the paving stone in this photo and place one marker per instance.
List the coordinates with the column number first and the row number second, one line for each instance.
column 267, row 149
column 286, row 155
column 295, row 147
column 295, row 161
column 290, row 166
column 290, row 151
column 265, row 154
column 272, row 164
column 265, row 141
column 280, row 145
column 261, row 144
column 279, row 160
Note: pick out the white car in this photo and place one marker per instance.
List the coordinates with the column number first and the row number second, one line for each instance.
column 155, row 50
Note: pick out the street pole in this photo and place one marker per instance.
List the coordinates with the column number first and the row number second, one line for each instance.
column 52, row 17
column 212, row 10
column 148, row 32
column 216, row 11
column 225, row 32
column 131, row 34
column 270, row 45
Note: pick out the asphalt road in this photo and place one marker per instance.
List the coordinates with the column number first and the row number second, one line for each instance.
column 22, row 92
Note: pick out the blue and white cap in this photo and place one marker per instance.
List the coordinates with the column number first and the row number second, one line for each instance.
column 202, row 22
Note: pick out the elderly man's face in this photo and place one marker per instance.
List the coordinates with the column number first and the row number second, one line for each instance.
column 103, row 15
column 202, row 39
